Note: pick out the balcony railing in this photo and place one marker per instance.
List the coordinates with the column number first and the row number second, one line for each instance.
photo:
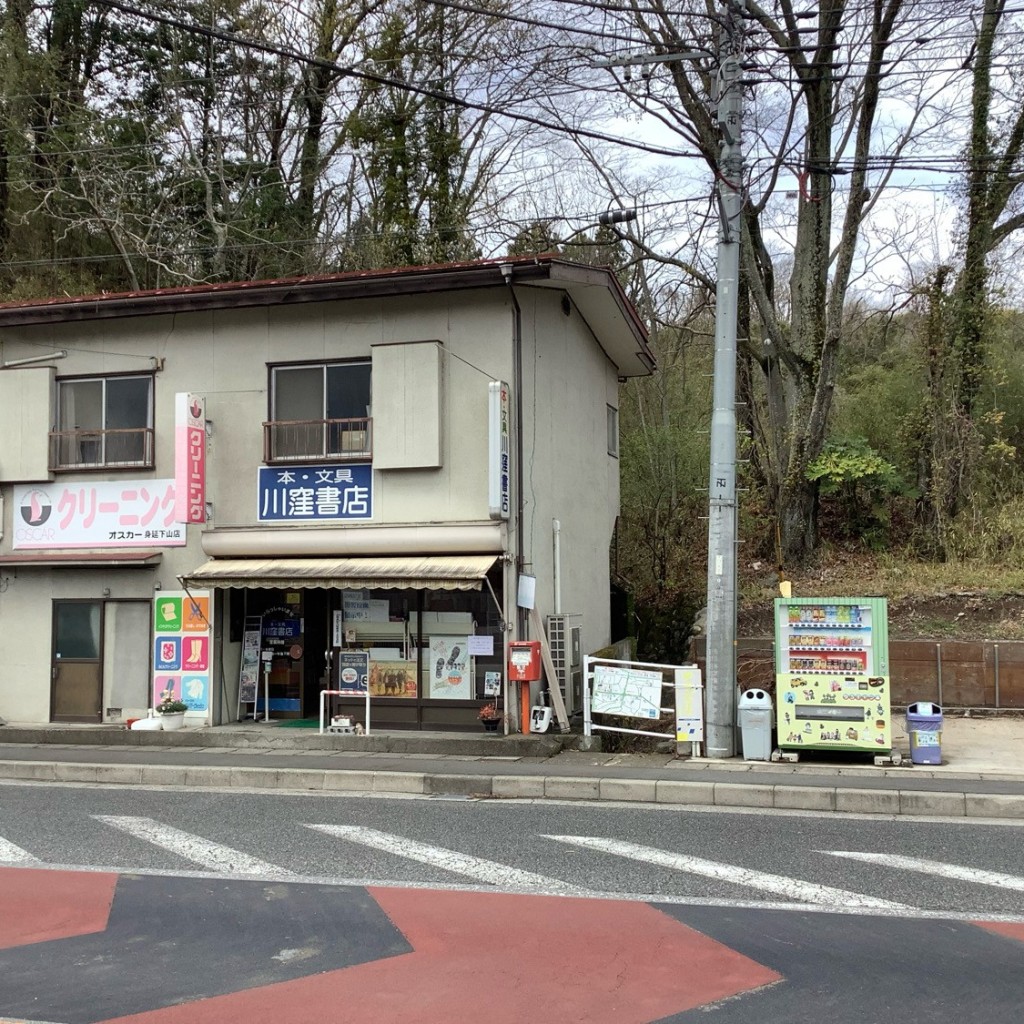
column 101, row 449
column 348, row 440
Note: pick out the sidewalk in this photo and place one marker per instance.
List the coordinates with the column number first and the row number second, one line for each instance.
column 982, row 775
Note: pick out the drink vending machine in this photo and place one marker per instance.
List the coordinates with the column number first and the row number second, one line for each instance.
column 832, row 674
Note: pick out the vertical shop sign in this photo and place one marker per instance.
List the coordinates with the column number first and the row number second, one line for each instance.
column 189, row 458
column 182, row 628
column 498, row 450
column 249, row 669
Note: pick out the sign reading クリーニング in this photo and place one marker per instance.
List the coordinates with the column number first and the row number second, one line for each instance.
column 105, row 514
column 297, row 494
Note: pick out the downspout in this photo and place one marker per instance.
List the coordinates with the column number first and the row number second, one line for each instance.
column 556, row 529
column 517, row 349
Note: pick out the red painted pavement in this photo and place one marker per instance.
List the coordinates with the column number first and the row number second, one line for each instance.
column 502, row 959
column 1009, row 931
column 38, row 905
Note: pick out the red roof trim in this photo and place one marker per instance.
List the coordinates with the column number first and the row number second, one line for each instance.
column 283, row 282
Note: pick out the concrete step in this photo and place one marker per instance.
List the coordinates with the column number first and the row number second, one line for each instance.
column 249, row 736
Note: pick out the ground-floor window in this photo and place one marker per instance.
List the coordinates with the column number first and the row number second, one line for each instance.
column 434, row 655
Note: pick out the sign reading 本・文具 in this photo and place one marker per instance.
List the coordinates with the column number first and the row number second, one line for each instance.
column 312, row 494
column 104, row 514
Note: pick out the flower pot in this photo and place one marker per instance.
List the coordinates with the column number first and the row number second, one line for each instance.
column 491, row 724
column 172, row 720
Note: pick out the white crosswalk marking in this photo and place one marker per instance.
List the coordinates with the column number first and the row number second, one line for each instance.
column 934, row 867
column 11, row 854
column 792, row 888
column 482, row 870
column 194, row 848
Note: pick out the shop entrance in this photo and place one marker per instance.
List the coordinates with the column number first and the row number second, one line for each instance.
column 76, row 690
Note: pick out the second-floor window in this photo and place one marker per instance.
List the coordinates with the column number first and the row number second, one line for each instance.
column 103, row 422
column 319, row 411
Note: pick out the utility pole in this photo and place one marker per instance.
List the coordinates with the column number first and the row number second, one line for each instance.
column 720, row 683
column 720, row 675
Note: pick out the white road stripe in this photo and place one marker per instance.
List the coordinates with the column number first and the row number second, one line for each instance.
column 11, row 854
column 194, row 848
column 934, row 867
column 791, row 888
column 492, row 872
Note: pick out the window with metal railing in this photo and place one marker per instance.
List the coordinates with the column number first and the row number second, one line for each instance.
column 103, row 423
column 319, row 411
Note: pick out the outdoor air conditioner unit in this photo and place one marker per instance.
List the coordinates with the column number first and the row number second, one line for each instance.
column 564, row 640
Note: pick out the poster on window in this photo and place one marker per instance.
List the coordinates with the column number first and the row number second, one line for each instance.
column 393, row 679
column 105, row 514
column 182, row 627
column 314, row 494
column 447, row 668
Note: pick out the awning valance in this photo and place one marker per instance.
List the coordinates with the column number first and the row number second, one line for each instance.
column 421, row 572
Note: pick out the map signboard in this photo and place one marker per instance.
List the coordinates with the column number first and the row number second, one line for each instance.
column 629, row 692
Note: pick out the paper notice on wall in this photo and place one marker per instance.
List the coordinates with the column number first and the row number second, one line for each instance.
column 481, row 645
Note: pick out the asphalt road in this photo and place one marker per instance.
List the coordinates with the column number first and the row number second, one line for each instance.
column 65, row 825
column 173, row 907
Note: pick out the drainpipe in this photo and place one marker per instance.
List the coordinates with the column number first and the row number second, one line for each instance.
column 556, row 527
column 517, row 348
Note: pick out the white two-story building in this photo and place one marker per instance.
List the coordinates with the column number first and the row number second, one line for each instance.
column 238, row 486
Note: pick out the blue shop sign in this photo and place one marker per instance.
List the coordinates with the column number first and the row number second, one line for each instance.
column 314, row 494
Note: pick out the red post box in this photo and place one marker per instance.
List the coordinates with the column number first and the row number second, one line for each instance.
column 524, row 661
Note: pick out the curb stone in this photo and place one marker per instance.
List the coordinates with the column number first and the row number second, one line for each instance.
column 532, row 787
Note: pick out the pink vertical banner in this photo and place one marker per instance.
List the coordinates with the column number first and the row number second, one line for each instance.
column 189, row 458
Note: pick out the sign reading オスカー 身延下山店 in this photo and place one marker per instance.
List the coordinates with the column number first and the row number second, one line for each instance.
column 105, row 514
column 296, row 494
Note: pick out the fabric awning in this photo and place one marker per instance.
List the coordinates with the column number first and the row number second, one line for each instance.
column 421, row 572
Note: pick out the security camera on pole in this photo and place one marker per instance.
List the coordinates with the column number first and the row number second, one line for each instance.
column 720, row 683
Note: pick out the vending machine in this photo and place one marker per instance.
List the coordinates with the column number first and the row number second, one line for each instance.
column 832, row 674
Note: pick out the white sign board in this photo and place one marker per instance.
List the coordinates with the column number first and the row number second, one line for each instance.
column 689, row 706
column 629, row 692
column 481, row 645
column 100, row 514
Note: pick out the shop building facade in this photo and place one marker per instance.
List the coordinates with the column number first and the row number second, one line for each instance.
column 202, row 483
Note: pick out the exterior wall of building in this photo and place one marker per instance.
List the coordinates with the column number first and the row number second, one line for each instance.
column 570, row 476
column 224, row 354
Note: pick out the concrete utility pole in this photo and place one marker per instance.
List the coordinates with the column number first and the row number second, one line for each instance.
column 720, row 683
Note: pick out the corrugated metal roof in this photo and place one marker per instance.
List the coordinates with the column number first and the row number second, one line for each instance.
column 421, row 572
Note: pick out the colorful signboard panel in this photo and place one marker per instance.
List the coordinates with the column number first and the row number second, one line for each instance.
column 182, row 628
column 105, row 514
column 314, row 494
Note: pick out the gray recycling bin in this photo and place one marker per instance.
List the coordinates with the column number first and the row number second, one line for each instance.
column 924, row 727
column 755, row 718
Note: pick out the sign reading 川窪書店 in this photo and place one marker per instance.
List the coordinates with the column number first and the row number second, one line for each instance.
column 314, row 494
column 105, row 514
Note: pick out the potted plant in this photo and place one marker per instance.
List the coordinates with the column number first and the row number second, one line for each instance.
column 490, row 716
column 171, row 710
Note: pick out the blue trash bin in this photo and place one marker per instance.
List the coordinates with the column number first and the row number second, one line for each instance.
column 924, row 727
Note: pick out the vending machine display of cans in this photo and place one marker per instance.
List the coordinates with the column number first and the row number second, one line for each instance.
column 832, row 674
